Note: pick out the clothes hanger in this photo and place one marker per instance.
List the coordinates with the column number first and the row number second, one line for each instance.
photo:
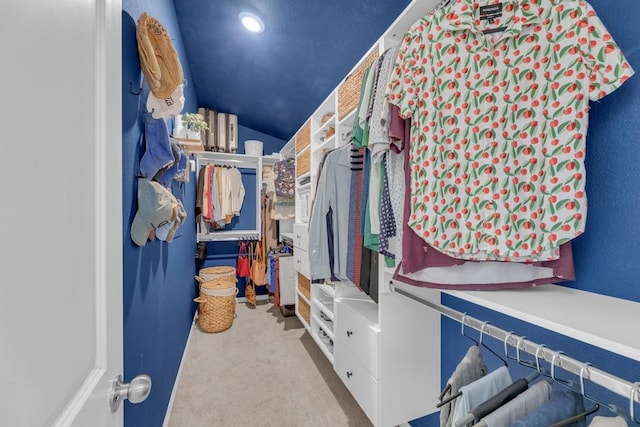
column 485, row 324
column 586, row 413
column 448, row 386
column 477, row 414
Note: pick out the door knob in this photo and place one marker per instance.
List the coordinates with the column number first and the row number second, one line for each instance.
column 136, row 391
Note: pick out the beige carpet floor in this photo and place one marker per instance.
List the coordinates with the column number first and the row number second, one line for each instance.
column 265, row 370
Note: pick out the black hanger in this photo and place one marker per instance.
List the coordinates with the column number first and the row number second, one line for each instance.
column 458, row 394
column 485, row 346
column 586, row 413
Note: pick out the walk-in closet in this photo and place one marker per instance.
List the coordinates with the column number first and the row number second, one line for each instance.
column 409, row 213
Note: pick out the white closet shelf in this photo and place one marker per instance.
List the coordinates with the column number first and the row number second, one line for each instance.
column 304, row 186
column 365, row 308
column 328, row 311
column 323, row 347
column 325, row 328
column 321, row 128
column 327, row 289
column 227, row 235
column 302, row 177
column 571, row 312
column 348, row 119
column 328, row 143
column 238, row 160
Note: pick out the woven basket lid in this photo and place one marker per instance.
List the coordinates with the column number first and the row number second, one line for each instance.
column 218, row 284
column 158, row 58
column 225, row 269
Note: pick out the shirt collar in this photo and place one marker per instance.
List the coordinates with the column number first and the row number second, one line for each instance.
column 461, row 16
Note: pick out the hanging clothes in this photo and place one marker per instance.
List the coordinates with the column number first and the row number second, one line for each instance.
column 563, row 404
column 283, row 204
column 504, row 150
column 468, row 370
column 522, row 405
column 220, row 196
column 480, row 390
column 332, row 198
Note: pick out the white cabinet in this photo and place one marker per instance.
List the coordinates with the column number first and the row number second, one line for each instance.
column 388, row 354
column 300, row 250
column 358, row 329
column 362, row 385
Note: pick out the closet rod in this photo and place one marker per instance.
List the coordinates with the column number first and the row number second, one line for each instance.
column 591, row 373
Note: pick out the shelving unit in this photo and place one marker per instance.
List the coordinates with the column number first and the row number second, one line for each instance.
column 241, row 161
column 393, row 386
column 571, row 312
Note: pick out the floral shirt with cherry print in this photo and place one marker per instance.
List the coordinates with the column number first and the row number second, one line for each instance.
column 499, row 123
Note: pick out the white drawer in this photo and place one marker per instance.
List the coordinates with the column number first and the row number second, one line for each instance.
column 356, row 328
column 301, row 262
column 360, row 383
column 301, row 236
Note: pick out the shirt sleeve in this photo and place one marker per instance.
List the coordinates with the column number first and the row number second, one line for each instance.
column 402, row 89
column 318, row 232
column 604, row 60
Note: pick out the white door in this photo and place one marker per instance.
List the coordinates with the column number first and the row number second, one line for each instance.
column 60, row 211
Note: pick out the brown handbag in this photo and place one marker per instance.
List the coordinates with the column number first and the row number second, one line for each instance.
column 258, row 266
column 242, row 267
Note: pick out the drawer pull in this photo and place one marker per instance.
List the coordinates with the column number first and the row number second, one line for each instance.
column 298, row 236
column 349, row 333
column 349, row 374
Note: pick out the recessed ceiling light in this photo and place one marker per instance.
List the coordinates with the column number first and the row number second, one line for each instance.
column 252, row 22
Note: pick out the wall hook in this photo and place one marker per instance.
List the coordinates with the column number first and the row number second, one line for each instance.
column 132, row 92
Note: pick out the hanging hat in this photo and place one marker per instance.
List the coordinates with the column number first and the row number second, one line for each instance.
column 158, row 58
column 156, row 208
column 167, row 231
column 164, row 108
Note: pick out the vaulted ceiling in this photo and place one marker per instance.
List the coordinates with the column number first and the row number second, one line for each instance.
column 275, row 80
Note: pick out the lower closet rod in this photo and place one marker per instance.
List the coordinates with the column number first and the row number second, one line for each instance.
column 557, row 358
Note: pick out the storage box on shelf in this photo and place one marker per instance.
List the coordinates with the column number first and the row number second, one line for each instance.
column 303, row 311
column 349, row 89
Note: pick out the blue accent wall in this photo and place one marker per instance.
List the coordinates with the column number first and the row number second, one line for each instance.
column 606, row 256
column 159, row 285
column 158, row 279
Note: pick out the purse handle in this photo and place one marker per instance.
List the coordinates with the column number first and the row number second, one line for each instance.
column 243, row 249
column 258, row 249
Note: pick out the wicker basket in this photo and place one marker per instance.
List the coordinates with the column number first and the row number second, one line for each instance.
column 218, row 273
column 304, row 286
column 216, row 304
column 303, row 163
column 303, row 137
column 349, row 90
column 304, row 310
